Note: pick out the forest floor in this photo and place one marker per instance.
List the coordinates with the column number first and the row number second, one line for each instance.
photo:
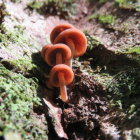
column 104, row 99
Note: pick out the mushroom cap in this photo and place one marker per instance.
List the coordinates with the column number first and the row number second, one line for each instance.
column 68, row 74
column 58, row 29
column 50, row 55
column 78, row 39
column 44, row 49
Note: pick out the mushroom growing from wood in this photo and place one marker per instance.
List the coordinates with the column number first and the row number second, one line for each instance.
column 74, row 38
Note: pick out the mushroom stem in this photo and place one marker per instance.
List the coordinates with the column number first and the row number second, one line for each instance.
column 58, row 58
column 63, row 89
column 70, row 43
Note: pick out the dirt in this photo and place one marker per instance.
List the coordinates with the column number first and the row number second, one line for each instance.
column 87, row 115
column 87, row 105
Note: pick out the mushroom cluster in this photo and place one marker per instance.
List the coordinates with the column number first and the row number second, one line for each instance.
column 67, row 43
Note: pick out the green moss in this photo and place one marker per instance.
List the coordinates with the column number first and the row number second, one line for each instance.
column 124, row 92
column 103, row 1
column 23, row 65
column 134, row 50
column 128, row 4
column 36, row 4
column 125, row 1
column 63, row 8
column 124, row 28
column 133, row 53
column 16, row 1
column 124, row 95
column 18, row 96
column 15, row 35
column 92, row 42
column 106, row 19
column 102, row 18
column 93, row 16
column 16, row 42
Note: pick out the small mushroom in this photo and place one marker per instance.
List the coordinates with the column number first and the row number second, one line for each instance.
column 57, row 54
column 69, row 43
column 60, row 76
column 58, row 29
column 75, row 39
column 44, row 49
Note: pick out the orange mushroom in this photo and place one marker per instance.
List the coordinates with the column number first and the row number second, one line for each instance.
column 44, row 50
column 57, row 54
column 58, row 29
column 69, row 43
column 60, row 76
column 75, row 39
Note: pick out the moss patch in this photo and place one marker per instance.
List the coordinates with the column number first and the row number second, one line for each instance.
column 18, row 96
column 128, row 4
column 106, row 19
column 17, row 37
column 124, row 94
column 14, row 35
column 134, row 50
column 133, row 53
column 124, row 87
column 22, row 65
column 15, row 41
column 63, row 8
column 16, row 1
